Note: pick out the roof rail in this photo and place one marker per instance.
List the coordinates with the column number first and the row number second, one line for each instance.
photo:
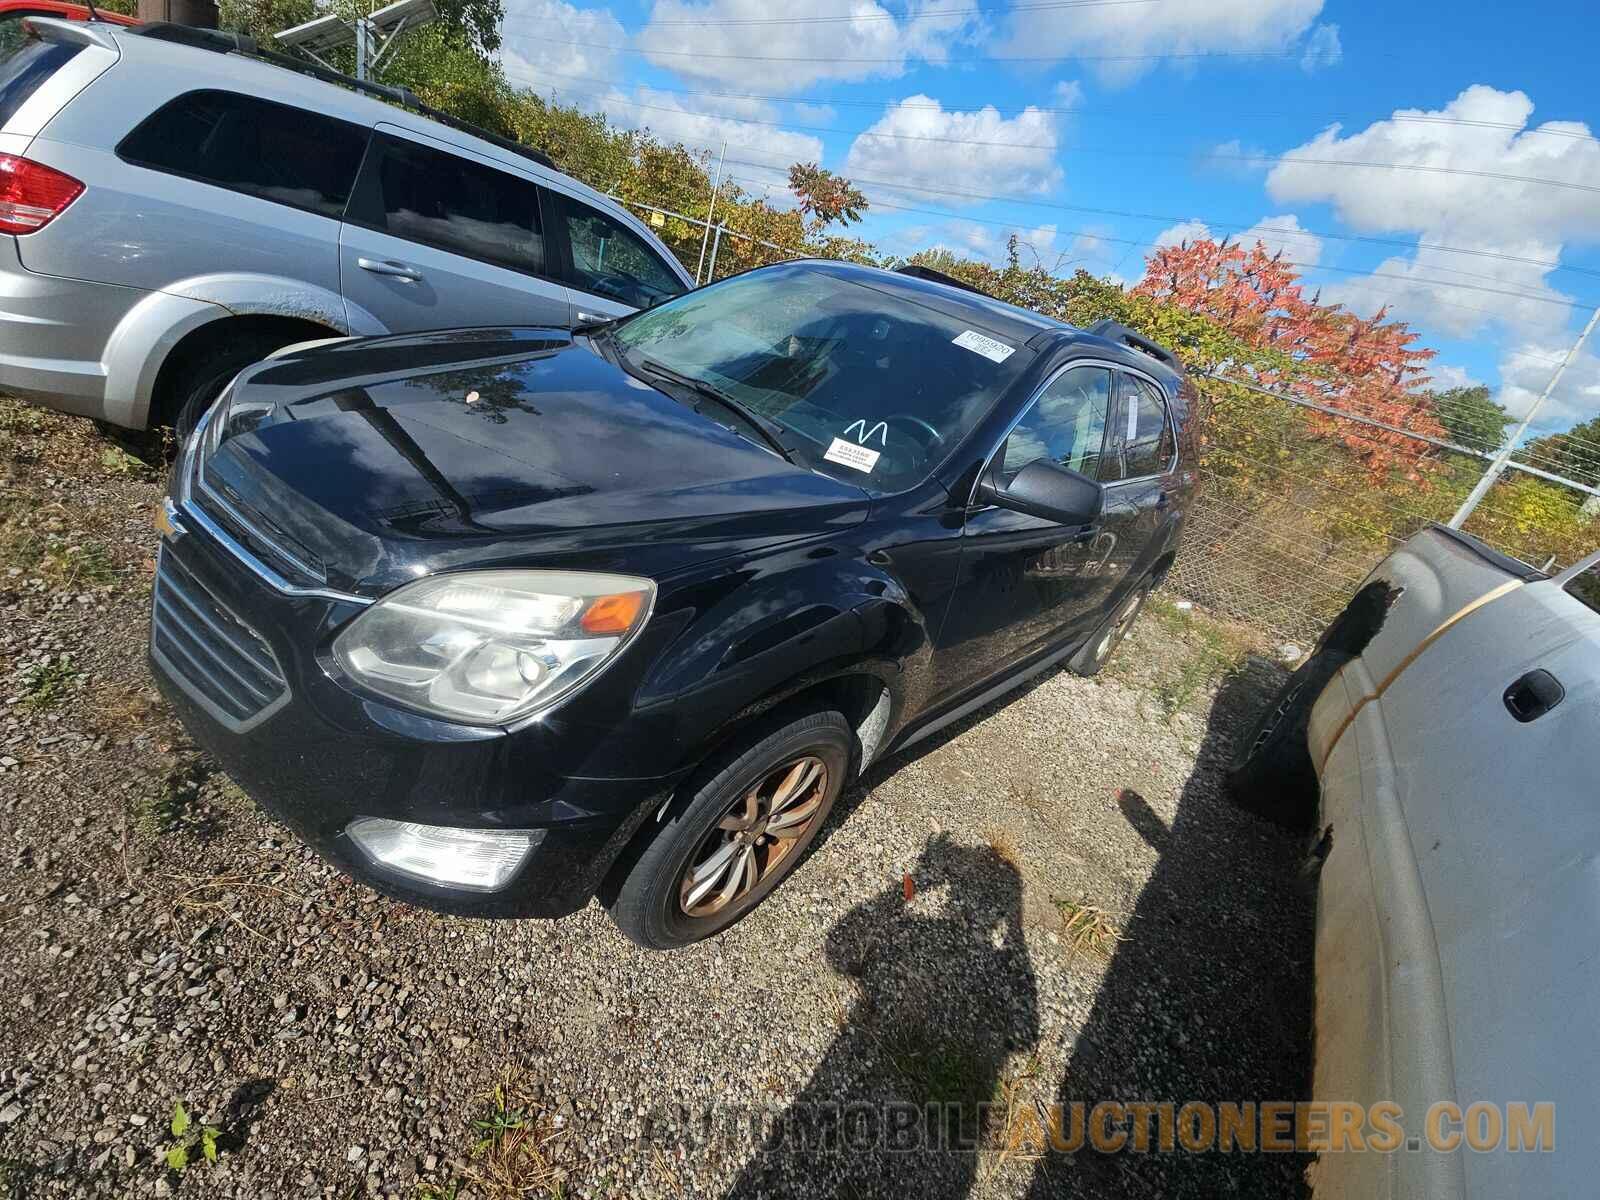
column 220, row 42
column 918, row 271
column 1115, row 331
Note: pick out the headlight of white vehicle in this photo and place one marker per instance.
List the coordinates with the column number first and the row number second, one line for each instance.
column 487, row 647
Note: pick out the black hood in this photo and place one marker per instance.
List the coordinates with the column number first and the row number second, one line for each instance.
column 376, row 461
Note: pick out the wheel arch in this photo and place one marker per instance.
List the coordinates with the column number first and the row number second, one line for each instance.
column 162, row 326
column 166, row 389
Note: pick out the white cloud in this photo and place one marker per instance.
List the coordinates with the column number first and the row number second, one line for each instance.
column 1527, row 370
column 1284, row 235
column 735, row 41
column 815, row 114
column 1323, row 49
column 1118, row 39
column 701, row 123
column 532, row 59
column 1497, row 211
column 1238, row 158
column 917, row 147
column 1184, row 231
column 1442, row 377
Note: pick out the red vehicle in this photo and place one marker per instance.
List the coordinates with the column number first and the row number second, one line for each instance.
column 12, row 12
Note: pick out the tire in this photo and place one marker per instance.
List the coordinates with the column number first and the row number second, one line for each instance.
column 669, row 896
column 1096, row 652
column 202, row 381
column 1272, row 775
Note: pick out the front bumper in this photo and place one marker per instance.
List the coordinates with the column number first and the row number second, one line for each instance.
column 316, row 756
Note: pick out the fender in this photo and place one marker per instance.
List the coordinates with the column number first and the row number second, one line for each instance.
column 811, row 615
column 138, row 347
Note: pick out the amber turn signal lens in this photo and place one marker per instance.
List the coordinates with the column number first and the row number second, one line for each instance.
column 613, row 614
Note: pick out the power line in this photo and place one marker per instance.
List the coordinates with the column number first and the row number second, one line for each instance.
column 1123, row 152
column 1545, row 264
column 1141, row 115
column 1184, row 56
column 853, row 18
column 901, row 186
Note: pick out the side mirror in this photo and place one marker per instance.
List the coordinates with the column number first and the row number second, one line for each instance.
column 1048, row 490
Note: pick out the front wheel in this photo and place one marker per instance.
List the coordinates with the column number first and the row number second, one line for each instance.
column 1103, row 642
column 202, row 380
column 736, row 835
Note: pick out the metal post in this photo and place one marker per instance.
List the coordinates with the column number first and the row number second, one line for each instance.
column 711, row 209
column 716, row 244
column 1498, row 466
column 363, row 46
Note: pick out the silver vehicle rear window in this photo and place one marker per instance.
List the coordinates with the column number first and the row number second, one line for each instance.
column 25, row 63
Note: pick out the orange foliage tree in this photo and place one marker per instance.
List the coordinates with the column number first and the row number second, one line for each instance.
column 1369, row 368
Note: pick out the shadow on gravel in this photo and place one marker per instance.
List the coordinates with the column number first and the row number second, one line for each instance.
column 944, row 993
column 243, row 1110
column 1208, row 997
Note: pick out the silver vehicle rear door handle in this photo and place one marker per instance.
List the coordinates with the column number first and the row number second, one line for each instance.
column 396, row 270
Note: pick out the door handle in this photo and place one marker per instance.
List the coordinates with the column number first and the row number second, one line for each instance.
column 395, row 270
column 1533, row 695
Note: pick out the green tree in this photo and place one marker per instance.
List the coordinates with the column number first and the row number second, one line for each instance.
column 1575, row 453
column 1471, row 418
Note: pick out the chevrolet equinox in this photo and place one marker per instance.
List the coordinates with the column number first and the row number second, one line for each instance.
column 500, row 620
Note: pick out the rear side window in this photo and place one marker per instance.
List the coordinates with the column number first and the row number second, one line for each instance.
column 609, row 259
column 1147, row 439
column 451, row 203
column 271, row 151
column 25, row 63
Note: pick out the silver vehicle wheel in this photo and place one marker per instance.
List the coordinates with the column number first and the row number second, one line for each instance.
column 1120, row 624
column 755, row 836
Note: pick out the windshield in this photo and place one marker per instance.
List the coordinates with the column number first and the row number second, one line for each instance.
column 870, row 387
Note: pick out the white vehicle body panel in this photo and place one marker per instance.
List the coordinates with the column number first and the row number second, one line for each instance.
column 1460, row 902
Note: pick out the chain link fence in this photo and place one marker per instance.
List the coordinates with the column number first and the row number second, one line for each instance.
column 1284, row 527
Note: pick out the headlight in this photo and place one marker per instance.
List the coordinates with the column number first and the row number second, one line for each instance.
column 487, row 647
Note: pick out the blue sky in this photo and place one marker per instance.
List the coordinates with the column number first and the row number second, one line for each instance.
column 1098, row 128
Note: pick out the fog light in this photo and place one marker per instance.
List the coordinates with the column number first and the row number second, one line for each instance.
column 479, row 860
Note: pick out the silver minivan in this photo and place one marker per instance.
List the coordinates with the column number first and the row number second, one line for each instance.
column 175, row 206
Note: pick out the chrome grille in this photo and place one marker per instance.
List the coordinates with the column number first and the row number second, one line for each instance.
column 224, row 663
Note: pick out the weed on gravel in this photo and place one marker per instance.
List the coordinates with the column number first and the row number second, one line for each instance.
column 48, row 682
column 1089, row 929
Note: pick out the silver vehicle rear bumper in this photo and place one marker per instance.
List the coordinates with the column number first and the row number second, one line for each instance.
column 53, row 335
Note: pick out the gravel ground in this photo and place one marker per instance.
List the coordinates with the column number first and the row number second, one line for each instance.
column 1085, row 919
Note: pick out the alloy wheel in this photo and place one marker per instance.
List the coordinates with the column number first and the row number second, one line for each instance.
column 755, row 837
column 1120, row 626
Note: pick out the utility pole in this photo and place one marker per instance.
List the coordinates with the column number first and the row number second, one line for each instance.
column 711, row 209
column 1498, row 466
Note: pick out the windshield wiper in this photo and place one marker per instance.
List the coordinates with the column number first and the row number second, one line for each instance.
column 768, row 430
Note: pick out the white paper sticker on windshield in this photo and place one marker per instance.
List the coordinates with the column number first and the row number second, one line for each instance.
column 849, row 454
column 985, row 345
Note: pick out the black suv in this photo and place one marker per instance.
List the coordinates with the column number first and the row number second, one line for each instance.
column 502, row 619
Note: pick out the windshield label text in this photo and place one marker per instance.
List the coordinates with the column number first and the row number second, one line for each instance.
column 848, row 454
column 980, row 343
